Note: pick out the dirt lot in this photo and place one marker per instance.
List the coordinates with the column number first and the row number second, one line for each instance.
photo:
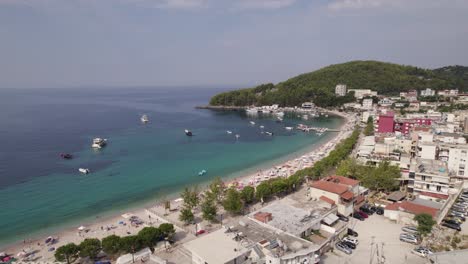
column 380, row 230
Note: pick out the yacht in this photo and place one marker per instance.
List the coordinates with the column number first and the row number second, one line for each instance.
column 84, row 171
column 229, row 132
column 252, row 123
column 289, row 128
column 262, row 127
column 188, row 133
column 99, row 143
column 144, row 119
column 269, row 133
column 280, row 113
column 252, row 111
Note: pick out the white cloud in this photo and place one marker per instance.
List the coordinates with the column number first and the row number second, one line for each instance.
column 265, row 4
column 413, row 4
column 182, row 4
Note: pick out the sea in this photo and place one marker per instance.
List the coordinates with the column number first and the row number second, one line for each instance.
column 41, row 193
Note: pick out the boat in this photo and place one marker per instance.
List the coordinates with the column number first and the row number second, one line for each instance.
column 229, row 132
column 326, row 115
column 66, row 156
column 269, row 133
column 99, row 143
column 252, row 111
column 262, row 127
column 84, row 171
column 280, row 113
column 279, row 119
column 188, row 133
column 144, row 119
column 289, row 128
column 237, row 136
column 202, row 172
column 252, row 123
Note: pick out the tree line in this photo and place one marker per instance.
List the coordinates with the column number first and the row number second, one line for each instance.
column 115, row 245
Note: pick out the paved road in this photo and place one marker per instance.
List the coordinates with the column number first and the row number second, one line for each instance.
column 380, row 230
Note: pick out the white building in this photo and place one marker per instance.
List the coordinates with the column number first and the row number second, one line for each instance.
column 456, row 157
column 340, row 90
column 361, row 93
column 430, row 178
column 427, row 92
column 367, row 104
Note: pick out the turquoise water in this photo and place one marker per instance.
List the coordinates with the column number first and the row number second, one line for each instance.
column 141, row 162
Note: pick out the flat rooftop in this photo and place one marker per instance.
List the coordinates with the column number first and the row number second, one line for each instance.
column 290, row 216
column 435, row 167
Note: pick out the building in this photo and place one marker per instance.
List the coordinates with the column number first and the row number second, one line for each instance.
column 427, row 92
column 386, row 123
column 308, row 105
column 404, row 212
column 448, row 93
column 361, row 93
column 385, row 102
column 430, row 178
column 448, row 257
column 456, row 157
column 340, row 90
column 340, row 189
column 228, row 249
column 367, row 104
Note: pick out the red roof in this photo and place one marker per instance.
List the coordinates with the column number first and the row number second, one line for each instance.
column 342, row 180
column 326, row 199
column 413, row 208
column 347, row 195
column 330, row 186
column 435, row 195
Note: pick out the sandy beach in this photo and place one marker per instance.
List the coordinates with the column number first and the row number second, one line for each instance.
column 153, row 216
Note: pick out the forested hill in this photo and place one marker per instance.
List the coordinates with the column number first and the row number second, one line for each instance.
column 319, row 86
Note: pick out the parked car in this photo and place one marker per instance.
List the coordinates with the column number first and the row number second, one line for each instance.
column 348, row 244
column 457, row 216
column 363, row 214
column 410, row 229
column 408, row 239
column 366, row 210
column 351, row 239
column 358, row 216
column 452, row 226
column 453, row 221
column 422, row 251
column 342, row 217
column 342, row 247
column 353, row 233
column 379, row 211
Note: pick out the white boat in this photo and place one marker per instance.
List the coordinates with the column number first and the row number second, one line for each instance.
column 262, row 127
column 237, row 136
column 83, row 170
column 229, row 132
column 188, row 133
column 144, row 119
column 269, row 133
column 252, row 123
column 252, row 111
column 99, row 143
column 289, row 128
column 280, row 113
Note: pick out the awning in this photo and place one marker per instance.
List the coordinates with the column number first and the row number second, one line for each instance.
column 330, row 219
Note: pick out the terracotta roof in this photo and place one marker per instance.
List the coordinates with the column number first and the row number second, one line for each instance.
column 435, row 195
column 330, row 186
column 347, row 195
column 413, row 208
column 326, row 199
column 342, row 180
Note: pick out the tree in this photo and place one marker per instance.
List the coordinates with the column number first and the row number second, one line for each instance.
column 111, row 244
column 369, row 130
column 190, row 197
column 248, row 194
column 209, row 209
column 90, row 247
column 348, row 168
column 150, row 236
column 68, row 253
column 279, row 186
column 186, row 215
column 425, row 223
column 217, row 189
column 167, row 230
column 263, row 191
column 131, row 244
column 232, row 202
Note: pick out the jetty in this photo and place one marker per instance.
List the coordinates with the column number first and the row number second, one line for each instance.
column 221, row 107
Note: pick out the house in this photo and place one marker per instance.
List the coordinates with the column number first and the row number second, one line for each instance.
column 308, row 105
column 386, row 123
column 361, row 93
column 340, row 90
column 367, row 104
column 427, row 92
column 339, row 190
column 404, row 212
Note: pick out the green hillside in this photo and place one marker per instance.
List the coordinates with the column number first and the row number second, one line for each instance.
column 319, row 86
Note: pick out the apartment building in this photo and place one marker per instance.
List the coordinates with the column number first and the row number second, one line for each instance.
column 340, row 90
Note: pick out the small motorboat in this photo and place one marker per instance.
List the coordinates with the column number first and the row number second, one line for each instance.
column 279, row 119
column 202, row 172
column 84, row 171
column 262, row 127
column 269, row 133
column 188, row 133
column 66, row 156
column 99, row 143
column 252, row 123
column 144, row 119
column 289, row 128
column 229, row 132
column 237, row 136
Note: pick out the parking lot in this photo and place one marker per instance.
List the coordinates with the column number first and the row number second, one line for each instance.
column 380, row 230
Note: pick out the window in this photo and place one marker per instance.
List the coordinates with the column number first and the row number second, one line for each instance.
column 427, row 186
column 439, row 188
column 423, row 178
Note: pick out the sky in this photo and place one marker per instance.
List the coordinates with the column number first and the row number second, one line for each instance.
column 107, row 43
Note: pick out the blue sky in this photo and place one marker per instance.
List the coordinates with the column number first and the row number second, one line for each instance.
column 69, row 43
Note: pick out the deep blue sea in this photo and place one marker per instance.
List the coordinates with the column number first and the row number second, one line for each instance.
column 41, row 193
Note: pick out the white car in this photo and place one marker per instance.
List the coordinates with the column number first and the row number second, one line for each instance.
column 351, row 240
column 422, row 251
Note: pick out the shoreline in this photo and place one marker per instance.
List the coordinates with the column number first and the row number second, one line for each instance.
column 107, row 224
